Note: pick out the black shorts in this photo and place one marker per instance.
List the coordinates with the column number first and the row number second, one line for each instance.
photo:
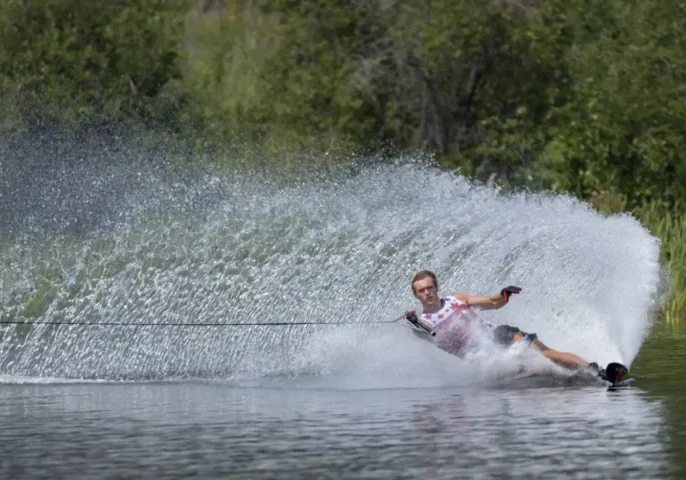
column 506, row 335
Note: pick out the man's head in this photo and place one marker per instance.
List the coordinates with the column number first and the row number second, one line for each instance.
column 425, row 287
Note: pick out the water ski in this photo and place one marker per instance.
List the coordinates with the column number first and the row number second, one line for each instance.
column 617, row 374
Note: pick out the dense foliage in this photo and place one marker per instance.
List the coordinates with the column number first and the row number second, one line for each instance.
column 576, row 95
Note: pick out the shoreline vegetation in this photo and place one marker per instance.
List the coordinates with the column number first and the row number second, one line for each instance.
column 577, row 96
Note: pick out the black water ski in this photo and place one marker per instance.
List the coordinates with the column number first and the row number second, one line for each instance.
column 617, row 374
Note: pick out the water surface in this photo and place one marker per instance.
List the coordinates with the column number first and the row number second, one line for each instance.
column 125, row 288
column 285, row 430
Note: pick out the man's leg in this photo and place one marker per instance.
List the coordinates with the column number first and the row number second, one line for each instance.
column 564, row 359
column 505, row 335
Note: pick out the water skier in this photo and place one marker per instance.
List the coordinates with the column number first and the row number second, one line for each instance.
column 457, row 326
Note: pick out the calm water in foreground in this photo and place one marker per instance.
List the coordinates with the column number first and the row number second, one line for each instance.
column 313, row 428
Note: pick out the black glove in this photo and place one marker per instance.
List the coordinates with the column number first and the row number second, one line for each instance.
column 507, row 291
column 411, row 317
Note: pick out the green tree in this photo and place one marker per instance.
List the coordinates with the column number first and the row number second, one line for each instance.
column 620, row 131
column 76, row 59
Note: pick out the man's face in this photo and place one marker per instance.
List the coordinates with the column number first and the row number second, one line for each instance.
column 425, row 291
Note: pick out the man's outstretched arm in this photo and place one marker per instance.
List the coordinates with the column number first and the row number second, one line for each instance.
column 489, row 302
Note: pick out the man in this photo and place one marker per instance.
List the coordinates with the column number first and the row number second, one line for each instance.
column 457, row 325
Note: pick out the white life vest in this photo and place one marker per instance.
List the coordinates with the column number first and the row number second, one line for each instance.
column 459, row 313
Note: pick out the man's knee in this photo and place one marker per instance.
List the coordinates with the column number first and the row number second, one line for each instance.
column 506, row 335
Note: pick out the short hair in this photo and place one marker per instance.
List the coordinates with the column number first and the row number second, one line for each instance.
column 421, row 276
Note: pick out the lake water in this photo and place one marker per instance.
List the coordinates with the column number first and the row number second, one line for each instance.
column 127, row 281
column 324, row 427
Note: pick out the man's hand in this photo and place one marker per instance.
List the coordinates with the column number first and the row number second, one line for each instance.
column 507, row 291
column 411, row 317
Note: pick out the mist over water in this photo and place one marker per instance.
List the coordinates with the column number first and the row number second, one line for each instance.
column 120, row 240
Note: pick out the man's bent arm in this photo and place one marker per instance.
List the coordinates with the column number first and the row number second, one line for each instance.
column 490, row 302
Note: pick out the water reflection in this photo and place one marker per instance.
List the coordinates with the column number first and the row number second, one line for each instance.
column 545, row 433
column 219, row 431
column 659, row 368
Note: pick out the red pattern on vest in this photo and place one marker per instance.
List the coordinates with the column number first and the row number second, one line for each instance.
column 454, row 323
